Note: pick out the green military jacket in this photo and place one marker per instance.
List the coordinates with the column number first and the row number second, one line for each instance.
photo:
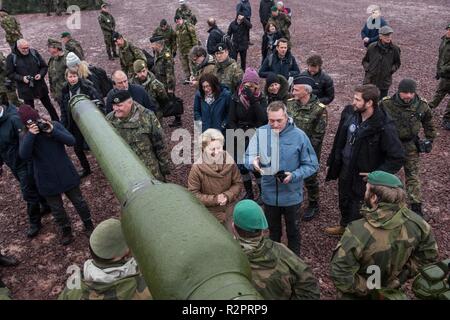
column 391, row 237
column 409, row 118
column 278, row 274
column 56, row 75
column 186, row 37
column 154, row 88
column 3, row 74
column 311, row 118
column 170, row 38
column 164, row 68
column 282, row 22
column 107, row 23
column 443, row 64
column 12, row 29
column 229, row 74
column 128, row 54
column 186, row 14
column 74, row 46
column 143, row 132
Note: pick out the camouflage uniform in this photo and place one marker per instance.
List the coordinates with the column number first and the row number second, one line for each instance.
column 164, row 68
column 409, row 118
column 186, row 39
column 278, row 274
column 282, row 22
column 312, row 119
column 229, row 74
column 156, row 89
column 74, row 46
column 206, row 67
column 391, row 237
column 108, row 26
column 443, row 72
column 128, row 54
column 56, row 75
column 142, row 131
column 12, row 30
column 187, row 15
column 7, row 93
column 170, row 38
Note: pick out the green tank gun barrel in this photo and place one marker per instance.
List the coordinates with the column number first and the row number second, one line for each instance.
column 182, row 250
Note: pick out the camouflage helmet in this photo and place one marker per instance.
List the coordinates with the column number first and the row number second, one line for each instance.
column 249, row 216
column 107, row 240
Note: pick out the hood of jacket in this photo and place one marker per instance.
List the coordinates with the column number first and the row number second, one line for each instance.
column 386, row 216
column 263, row 257
column 284, row 89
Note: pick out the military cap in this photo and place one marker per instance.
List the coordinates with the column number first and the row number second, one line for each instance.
column 407, row 85
column 139, row 65
column 119, row 96
column 385, row 30
column 274, row 8
column 107, row 240
column 181, row 1
column 53, row 43
column 163, row 23
column 220, row 47
column 304, row 79
column 249, row 216
column 156, row 38
column 104, row 5
column 65, row 34
column 116, row 36
column 177, row 17
column 382, row 178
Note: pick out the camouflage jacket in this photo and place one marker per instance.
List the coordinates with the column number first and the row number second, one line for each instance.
column 74, row 46
column 56, row 75
column 143, row 132
column 311, row 118
column 154, row 88
column 128, row 54
column 12, row 29
column 170, row 38
column 107, row 23
column 207, row 66
column 186, row 14
column 229, row 74
column 278, row 274
column 391, row 237
column 164, row 69
column 410, row 117
column 443, row 64
column 186, row 37
column 283, row 22
column 3, row 74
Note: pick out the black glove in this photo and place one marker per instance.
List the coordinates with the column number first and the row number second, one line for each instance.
column 437, row 76
column 249, row 94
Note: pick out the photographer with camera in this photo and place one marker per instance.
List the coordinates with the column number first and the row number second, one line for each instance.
column 284, row 156
column 411, row 113
column 44, row 144
column 26, row 67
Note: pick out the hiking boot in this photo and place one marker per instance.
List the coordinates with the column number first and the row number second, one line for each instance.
column 66, row 236
column 34, row 229
column 335, row 230
column 417, row 208
column 311, row 211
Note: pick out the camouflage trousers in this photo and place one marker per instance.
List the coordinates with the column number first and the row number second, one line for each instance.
column 442, row 90
column 312, row 183
column 411, row 168
column 110, row 46
column 184, row 58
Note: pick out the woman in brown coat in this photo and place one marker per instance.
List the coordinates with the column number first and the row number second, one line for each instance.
column 215, row 179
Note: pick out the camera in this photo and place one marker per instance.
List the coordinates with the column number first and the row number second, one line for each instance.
column 31, row 79
column 424, row 146
column 280, row 175
column 42, row 125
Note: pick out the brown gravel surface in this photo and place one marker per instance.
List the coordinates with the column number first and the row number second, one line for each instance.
column 330, row 28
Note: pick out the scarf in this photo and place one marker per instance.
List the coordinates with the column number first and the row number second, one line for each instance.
column 93, row 273
column 249, row 245
column 243, row 96
column 209, row 99
column 74, row 89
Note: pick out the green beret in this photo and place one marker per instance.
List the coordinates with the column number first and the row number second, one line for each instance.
column 139, row 65
column 249, row 216
column 65, row 34
column 274, row 8
column 107, row 240
column 382, row 178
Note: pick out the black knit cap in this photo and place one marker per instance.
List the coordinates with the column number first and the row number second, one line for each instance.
column 407, row 85
column 116, row 36
column 119, row 96
column 272, row 78
column 156, row 38
column 303, row 79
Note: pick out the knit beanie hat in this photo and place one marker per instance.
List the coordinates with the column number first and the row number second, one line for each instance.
column 407, row 85
column 27, row 114
column 272, row 78
column 72, row 60
column 250, row 75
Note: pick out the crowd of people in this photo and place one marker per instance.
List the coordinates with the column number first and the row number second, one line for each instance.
column 278, row 107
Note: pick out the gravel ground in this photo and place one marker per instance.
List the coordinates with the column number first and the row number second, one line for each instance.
column 330, row 28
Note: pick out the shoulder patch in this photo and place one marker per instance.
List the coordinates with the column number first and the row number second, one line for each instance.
column 386, row 98
column 322, row 105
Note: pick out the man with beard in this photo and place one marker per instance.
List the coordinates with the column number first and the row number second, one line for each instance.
column 410, row 114
column 390, row 237
column 366, row 140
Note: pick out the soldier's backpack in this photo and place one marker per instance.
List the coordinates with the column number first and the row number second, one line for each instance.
column 432, row 281
column 104, row 82
column 150, row 59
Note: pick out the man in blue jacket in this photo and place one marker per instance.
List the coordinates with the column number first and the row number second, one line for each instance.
column 284, row 156
column 370, row 30
column 280, row 62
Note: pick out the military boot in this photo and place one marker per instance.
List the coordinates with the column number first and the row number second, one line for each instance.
column 311, row 211
column 417, row 208
column 248, row 190
column 335, row 230
column 34, row 216
column 66, row 236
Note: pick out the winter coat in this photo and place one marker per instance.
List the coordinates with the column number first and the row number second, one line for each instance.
column 215, row 37
column 324, row 88
column 213, row 116
column 138, row 94
column 372, row 34
column 376, row 147
column 380, row 63
column 31, row 64
column 240, row 33
column 268, row 43
column 252, row 117
column 283, row 93
column 245, row 8
column 207, row 181
column 10, row 129
column 54, row 172
column 286, row 66
column 265, row 11
column 295, row 155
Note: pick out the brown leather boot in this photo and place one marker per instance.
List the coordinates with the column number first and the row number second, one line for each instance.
column 335, row 230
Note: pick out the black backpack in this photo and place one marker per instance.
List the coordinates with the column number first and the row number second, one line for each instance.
column 104, row 83
column 150, row 59
column 174, row 107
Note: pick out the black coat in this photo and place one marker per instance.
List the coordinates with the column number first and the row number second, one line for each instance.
column 265, row 11
column 10, row 128
column 376, row 147
column 139, row 95
column 214, row 38
column 54, row 172
column 240, row 117
column 268, row 43
column 380, row 63
column 239, row 34
column 31, row 64
column 324, row 88
column 286, row 67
